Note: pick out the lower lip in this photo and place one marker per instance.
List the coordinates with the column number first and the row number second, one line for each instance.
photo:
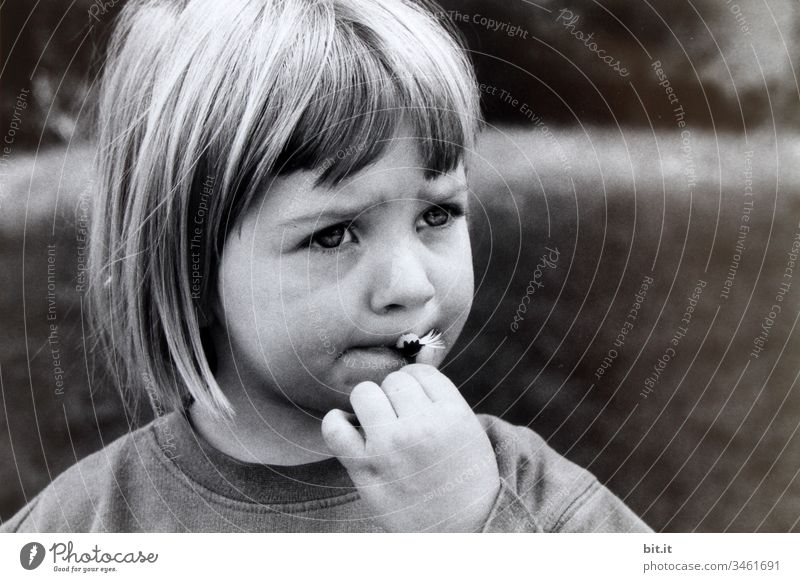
column 377, row 358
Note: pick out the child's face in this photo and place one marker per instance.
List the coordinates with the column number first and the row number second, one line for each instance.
column 307, row 301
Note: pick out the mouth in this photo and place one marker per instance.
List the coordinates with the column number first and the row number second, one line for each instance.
column 386, row 358
column 405, row 348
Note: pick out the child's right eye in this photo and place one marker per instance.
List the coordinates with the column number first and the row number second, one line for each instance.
column 331, row 238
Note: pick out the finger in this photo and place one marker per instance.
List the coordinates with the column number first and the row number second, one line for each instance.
column 342, row 438
column 427, row 355
column 404, row 392
column 351, row 418
column 435, row 384
column 371, row 406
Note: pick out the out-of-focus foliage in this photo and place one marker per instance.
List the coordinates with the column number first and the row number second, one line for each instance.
column 720, row 72
column 721, row 58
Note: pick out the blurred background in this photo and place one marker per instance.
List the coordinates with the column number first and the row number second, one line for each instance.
column 634, row 152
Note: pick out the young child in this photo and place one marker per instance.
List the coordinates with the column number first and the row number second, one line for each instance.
column 281, row 260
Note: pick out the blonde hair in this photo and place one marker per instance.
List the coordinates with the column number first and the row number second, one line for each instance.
column 203, row 101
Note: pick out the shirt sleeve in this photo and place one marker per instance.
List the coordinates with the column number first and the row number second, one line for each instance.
column 542, row 491
column 598, row 510
column 509, row 513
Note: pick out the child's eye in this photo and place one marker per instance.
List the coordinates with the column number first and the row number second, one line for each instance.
column 440, row 216
column 331, row 238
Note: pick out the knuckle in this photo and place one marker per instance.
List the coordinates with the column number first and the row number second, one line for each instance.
column 395, row 382
column 397, row 439
column 425, row 431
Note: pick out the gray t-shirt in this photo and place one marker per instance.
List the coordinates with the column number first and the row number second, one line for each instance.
column 165, row 478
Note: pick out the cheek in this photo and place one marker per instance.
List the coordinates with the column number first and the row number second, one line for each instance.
column 273, row 321
column 300, row 320
column 454, row 282
column 460, row 275
column 255, row 299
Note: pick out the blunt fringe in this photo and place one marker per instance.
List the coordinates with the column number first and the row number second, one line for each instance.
column 202, row 102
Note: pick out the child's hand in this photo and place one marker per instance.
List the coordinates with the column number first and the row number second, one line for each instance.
column 424, row 461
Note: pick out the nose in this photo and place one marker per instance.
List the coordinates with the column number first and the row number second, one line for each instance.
column 401, row 280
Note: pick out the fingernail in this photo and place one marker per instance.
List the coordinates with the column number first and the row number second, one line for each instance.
column 427, row 355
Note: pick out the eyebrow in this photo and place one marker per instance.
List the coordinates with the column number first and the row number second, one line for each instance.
column 336, row 215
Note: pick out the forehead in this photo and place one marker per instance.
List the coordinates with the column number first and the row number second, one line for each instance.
column 397, row 175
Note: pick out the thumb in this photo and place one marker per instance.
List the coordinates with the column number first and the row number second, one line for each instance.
column 342, row 438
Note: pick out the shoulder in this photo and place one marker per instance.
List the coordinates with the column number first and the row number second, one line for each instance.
column 560, row 495
column 83, row 497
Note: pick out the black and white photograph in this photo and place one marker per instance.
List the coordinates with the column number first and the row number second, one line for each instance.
column 355, row 266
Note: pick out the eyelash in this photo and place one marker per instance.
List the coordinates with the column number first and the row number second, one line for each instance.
column 455, row 211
